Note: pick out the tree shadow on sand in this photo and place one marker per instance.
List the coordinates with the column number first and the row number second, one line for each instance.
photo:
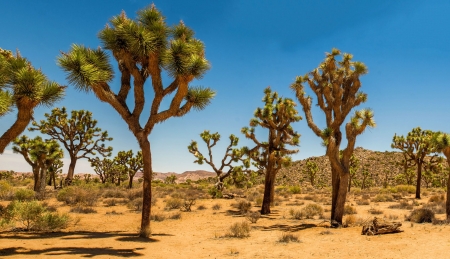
column 79, row 251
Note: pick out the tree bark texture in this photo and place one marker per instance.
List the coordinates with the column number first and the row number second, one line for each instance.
column 147, row 186
column 419, row 179
column 268, row 183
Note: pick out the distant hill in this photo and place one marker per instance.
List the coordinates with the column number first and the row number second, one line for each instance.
column 381, row 166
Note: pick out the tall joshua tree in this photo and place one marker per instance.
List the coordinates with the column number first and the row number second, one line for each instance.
column 143, row 48
column 417, row 145
column 442, row 144
column 276, row 116
column 336, row 85
column 23, row 87
column 79, row 135
column 231, row 155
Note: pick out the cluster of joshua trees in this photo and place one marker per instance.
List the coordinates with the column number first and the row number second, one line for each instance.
column 145, row 47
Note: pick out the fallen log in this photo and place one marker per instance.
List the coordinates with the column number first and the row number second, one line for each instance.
column 381, row 226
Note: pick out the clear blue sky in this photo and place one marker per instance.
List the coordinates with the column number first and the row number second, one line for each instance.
column 252, row 45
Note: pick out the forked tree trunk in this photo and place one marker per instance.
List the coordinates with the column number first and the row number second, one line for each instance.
column 147, row 186
column 419, row 180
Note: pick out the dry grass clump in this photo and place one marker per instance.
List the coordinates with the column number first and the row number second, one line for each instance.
column 309, row 211
column 174, row 203
column 253, row 216
column 157, row 217
column 176, row 215
column 216, row 206
column 421, row 215
column 114, row 193
column 403, row 204
column 135, row 204
column 375, row 211
column 202, row 207
column 288, row 237
column 83, row 210
column 73, row 195
column 383, row 198
column 239, row 230
column 363, row 202
column 243, row 206
column 348, row 210
column 437, row 198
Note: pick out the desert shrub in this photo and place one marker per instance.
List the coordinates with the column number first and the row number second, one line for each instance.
column 188, row 202
column 406, row 188
column 23, row 194
column 295, row 189
column 6, row 190
column 365, row 196
column 311, row 210
column 113, row 212
column 114, row 193
column 436, row 207
column 348, row 210
column 288, row 237
column 110, row 202
column 421, row 215
column 310, row 197
column 135, row 204
column 176, row 215
column 216, row 206
column 349, row 220
column 363, row 202
column 174, row 203
column 392, row 217
column 239, row 230
column 215, row 193
column 383, row 198
column 52, row 221
column 251, row 196
column 78, row 195
column 201, row 207
column 50, row 208
column 402, row 205
column 259, row 201
column 157, row 217
column 295, row 203
column 253, row 216
column 375, row 211
column 243, row 206
column 437, row 198
column 296, row 214
column 177, row 195
column 135, row 193
column 82, row 210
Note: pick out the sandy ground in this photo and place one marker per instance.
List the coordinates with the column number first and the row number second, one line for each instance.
column 200, row 234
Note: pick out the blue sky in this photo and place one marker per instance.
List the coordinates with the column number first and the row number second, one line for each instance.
column 252, row 45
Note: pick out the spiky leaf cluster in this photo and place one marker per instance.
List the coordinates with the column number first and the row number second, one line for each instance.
column 142, row 47
column 417, row 144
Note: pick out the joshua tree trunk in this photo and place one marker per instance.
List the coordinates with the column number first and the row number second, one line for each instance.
column 70, row 173
column 419, row 179
column 130, row 184
column 269, row 182
column 447, row 203
column 43, row 182
column 147, row 188
column 37, row 179
column 24, row 116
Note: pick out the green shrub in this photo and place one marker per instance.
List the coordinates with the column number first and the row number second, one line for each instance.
column 73, row 195
column 421, row 215
column 215, row 193
column 135, row 204
column 348, row 210
column 53, row 221
column 23, row 194
column 6, row 190
column 174, row 203
column 239, row 230
column 295, row 189
column 27, row 212
column 383, row 198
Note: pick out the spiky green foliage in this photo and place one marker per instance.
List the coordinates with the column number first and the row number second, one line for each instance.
column 78, row 133
column 441, row 142
column 42, row 155
column 277, row 115
column 336, row 84
column 416, row 146
column 23, row 87
column 105, row 168
column 228, row 165
column 311, row 169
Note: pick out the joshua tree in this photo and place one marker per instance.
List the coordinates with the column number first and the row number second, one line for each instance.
column 442, row 144
column 104, row 168
column 171, row 179
column 276, row 116
column 78, row 134
column 142, row 48
column 354, row 165
column 336, row 85
column 40, row 154
column 55, row 169
column 231, row 155
column 311, row 169
column 416, row 146
column 130, row 163
column 23, row 87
